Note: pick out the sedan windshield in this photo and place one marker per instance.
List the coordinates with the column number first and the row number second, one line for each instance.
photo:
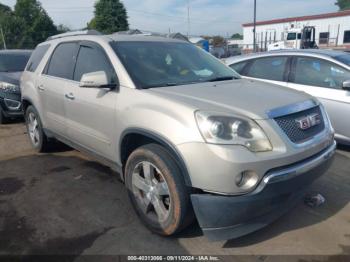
column 13, row 62
column 159, row 64
column 345, row 58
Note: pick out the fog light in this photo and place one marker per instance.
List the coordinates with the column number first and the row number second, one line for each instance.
column 12, row 104
column 247, row 180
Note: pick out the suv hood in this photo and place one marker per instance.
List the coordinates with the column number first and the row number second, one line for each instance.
column 244, row 97
column 10, row 77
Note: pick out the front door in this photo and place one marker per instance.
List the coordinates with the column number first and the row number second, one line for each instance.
column 323, row 79
column 90, row 112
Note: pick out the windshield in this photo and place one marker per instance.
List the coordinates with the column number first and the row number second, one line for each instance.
column 345, row 58
column 159, row 64
column 13, row 62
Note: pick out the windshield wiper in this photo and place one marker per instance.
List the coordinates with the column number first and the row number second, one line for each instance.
column 160, row 85
column 222, row 78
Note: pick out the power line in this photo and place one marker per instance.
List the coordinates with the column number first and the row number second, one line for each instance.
column 175, row 17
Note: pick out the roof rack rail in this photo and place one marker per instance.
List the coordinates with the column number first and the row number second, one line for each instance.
column 74, row 33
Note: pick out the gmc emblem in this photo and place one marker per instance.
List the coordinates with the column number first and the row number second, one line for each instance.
column 308, row 121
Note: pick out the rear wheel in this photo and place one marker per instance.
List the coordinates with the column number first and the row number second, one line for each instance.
column 157, row 190
column 35, row 130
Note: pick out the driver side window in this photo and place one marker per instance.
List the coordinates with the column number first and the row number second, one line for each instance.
column 317, row 72
column 91, row 60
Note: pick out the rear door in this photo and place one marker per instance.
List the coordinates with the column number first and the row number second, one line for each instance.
column 271, row 69
column 90, row 112
column 52, row 84
column 30, row 77
column 323, row 79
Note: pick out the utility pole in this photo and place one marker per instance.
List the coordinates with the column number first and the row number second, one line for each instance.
column 3, row 37
column 188, row 19
column 254, row 30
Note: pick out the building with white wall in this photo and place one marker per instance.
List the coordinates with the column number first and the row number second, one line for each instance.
column 332, row 30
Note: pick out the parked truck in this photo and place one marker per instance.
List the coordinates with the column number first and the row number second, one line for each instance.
column 297, row 38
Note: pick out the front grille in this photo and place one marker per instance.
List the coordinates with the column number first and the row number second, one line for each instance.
column 290, row 127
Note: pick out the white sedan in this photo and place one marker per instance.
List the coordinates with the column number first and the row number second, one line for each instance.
column 324, row 74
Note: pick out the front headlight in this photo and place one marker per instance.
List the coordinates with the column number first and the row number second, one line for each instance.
column 218, row 128
column 7, row 87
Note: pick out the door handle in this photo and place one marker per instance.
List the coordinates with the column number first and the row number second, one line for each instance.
column 70, row 96
column 41, row 88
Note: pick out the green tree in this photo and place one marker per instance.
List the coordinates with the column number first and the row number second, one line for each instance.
column 343, row 4
column 4, row 9
column 110, row 17
column 63, row 28
column 13, row 28
column 218, row 41
column 38, row 26
column 26, row 26
column 237, row 36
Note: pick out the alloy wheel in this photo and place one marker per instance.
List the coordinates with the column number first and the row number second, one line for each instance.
column 33, row 129
column 151, row 191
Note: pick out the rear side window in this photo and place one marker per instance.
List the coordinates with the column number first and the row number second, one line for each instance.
column 62, row 61
column 36, row 57
column 271, row 68
column 93, row 60
column 239, row 67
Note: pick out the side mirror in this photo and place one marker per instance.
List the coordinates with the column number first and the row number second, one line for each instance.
column 346, row 85
column 94, row 80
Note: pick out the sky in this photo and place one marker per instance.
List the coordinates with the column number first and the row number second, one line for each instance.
column 207, row 17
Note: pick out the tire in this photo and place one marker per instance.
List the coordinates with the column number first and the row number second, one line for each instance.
column 166, row 189
column 35, row 131
column 3, row 119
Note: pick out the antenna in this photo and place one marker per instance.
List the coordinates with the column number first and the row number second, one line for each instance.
column 188, row 19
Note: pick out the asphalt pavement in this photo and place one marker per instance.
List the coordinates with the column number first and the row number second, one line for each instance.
column 65, row 203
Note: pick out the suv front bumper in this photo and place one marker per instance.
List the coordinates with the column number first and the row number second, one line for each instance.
column 14, row 100
column 228, row 217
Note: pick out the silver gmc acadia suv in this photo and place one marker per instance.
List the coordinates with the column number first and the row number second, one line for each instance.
column 188, row 136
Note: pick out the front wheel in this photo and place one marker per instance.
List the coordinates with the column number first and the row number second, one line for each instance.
column 157, row 190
